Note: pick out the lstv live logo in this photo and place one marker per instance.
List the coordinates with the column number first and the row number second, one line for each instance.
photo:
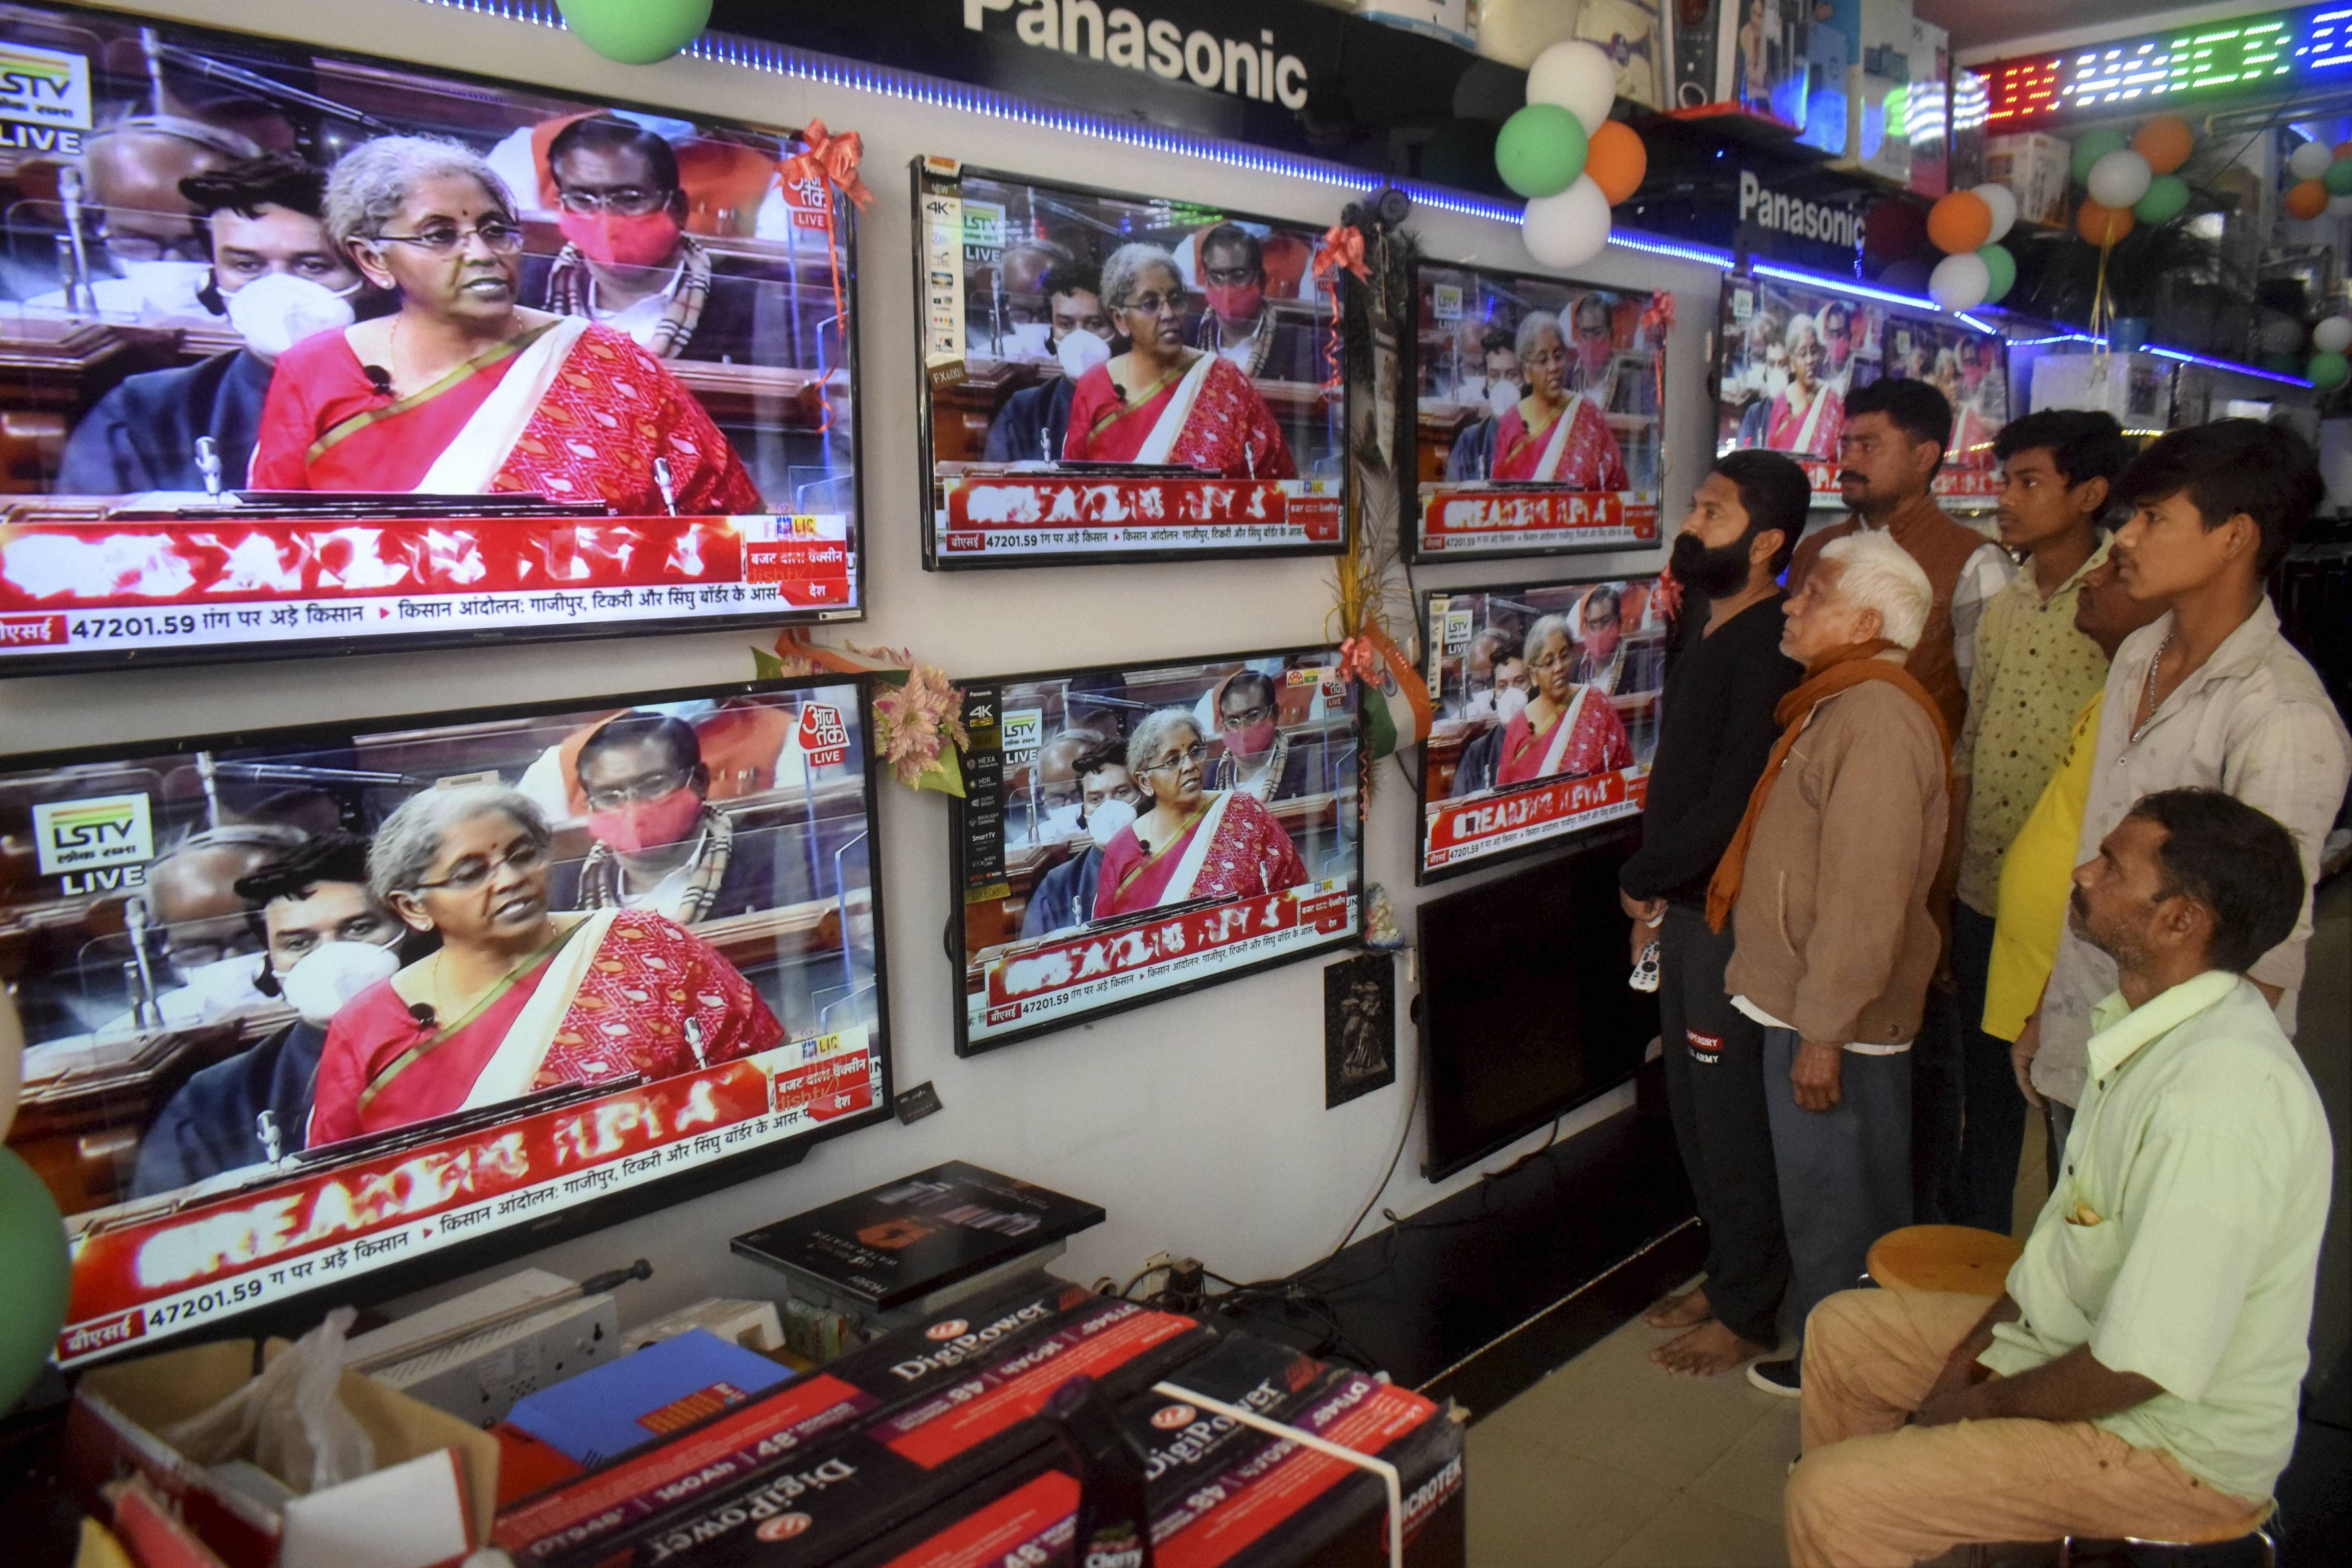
column 97, row 844
column 44, row 100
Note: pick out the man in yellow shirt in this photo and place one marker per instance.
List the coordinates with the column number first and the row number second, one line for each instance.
column 2140, row 1374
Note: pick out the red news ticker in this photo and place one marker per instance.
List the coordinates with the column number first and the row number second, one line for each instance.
column 318, row 1227
column 1456, row 824
column 1010, row 503
column 1029, row 975
column 1482, row 514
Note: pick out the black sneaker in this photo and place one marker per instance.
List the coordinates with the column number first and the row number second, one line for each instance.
column 1780, row 1377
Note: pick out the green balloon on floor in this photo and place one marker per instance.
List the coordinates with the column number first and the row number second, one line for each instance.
column 33, row 1306
column 1540, row 150
column 635, row 32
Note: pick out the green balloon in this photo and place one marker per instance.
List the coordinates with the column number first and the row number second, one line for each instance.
column 2094, row 146
column 33, row 1308
column 2327, row 370
column 2167, row 195
column 635, row 32
column 2339, row 178
column 1540, row 150
column 2003, row 267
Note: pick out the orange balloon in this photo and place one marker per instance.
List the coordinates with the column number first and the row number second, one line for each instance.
column 2102, row 225
column 1616, row 160
column 1960, row 222
column 2308, row 199
column 2166, row 142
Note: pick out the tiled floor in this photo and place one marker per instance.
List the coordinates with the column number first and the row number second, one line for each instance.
column 1610, row 1462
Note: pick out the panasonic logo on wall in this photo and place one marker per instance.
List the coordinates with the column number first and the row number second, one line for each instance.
column 1119, row 36
column 1794, row 216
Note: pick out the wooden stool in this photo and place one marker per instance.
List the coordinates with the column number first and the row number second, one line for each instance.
column 1954, row 1257
column 2255, row 1527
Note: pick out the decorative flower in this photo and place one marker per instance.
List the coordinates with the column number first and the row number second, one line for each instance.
column 915, row 721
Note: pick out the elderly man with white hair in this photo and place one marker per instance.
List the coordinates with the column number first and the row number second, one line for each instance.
column 1826, row 886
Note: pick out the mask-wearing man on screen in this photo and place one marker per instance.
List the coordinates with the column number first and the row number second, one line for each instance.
column 1239, row 323
column 1108, row 800
column 1256, row 759
column 325, row 940
column 275, row 277
column 199, row 947
column 1034, row 421
column 659, row 845
column 1595, row 346
column 627, row 260
column 1601, row 621
column 1837, row 342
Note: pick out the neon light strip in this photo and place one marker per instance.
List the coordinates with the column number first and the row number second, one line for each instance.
column 777, row 60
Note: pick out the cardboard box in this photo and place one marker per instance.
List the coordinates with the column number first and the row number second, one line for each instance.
column 2035, row 166
column 1879, row 84
column 431, row 1496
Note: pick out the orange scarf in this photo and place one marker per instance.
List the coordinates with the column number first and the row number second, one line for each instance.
column 1841, row 669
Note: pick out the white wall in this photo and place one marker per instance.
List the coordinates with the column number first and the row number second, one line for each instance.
column 1198, row 1123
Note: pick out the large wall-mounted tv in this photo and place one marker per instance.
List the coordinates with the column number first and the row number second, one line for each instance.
column 626, row 405
column 1546, row 699
column 1537, row 424
column 1787, row 353
column 1127, row 835
column 1525, row 1012
column 1206, row 417
column 349, row 1008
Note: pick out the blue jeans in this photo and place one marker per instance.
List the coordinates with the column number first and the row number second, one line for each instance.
column 1844, row 1173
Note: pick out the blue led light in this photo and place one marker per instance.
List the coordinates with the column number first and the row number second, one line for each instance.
column 774, row 60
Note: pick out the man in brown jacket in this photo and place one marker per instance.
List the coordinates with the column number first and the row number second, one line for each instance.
column 1826, row 885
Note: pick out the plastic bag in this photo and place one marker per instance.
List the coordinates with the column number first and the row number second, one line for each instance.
column 288, row 1420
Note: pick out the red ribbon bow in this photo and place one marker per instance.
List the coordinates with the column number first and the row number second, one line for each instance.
column 1659, row 316
column 833, row 159
column 1359, row 659
column 1343, row 246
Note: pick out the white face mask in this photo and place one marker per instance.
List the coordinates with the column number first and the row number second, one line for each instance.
column 1502, row 397
column 273, row 313
column 1080, row 352
column 1509, row 703
column 1103, row 821
column 331, row 973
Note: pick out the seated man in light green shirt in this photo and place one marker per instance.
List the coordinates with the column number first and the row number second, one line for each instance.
column 2140, row 1375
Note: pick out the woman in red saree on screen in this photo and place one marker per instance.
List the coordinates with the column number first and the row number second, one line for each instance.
column 517, row 998
column 1553, row 436
column 1161, row 401
column 463, row 391
column 1807, row 414
column 1566, row 728
column 1193, row 843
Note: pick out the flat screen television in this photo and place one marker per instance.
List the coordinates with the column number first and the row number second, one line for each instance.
column 1525, row 1012
column 1129, row 834
column 1787, row 353
column 218, row 446
column 1546, row 699
column 1537, row 424
column 352, row 1007
column 1046, row 438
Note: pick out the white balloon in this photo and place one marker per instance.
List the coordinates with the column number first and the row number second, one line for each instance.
column 2003, row 202
column 2282, row 335
column 2333, row 335
column 2120, row 178
column 1961, row 283
column 1578, row 77
column 2339, row 206
column 1570, row 229
column 2310, row 161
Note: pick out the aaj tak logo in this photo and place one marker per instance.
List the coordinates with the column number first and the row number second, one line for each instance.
column 1121, row 37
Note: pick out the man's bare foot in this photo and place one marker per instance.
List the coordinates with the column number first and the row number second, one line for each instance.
column 1680, row 1312
column 1709, row 1349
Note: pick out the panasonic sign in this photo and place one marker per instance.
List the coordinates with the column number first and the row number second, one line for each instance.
column 1793, row 215
column 1120, row 35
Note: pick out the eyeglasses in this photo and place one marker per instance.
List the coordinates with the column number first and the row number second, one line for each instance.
column 1233, row 277
column 498, row 238
column 628, row 201
column 644, row 787
column 1196, row 754
column 1546, row 359
column 1560, row 660
column 1169, row 304
column 475, row 870
column 1247, row 717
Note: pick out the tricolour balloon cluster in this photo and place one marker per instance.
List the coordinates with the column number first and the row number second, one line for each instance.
column 2327, row 368
column 1565, row 154
column 1968, row 227
column 2129, row 181
column 2321, row 175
